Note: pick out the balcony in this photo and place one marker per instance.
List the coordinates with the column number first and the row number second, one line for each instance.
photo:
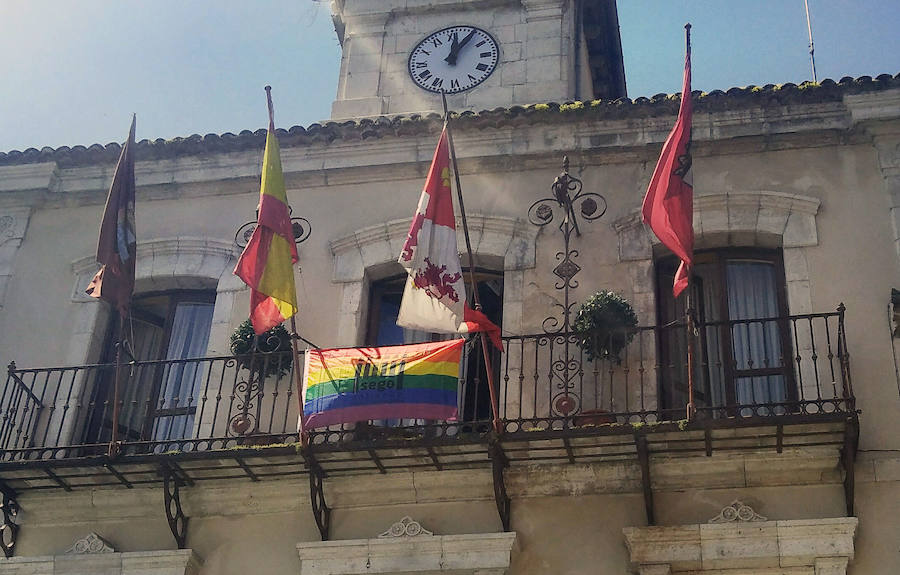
column 236, row 417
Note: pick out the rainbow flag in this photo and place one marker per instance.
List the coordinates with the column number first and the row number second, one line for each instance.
column 417, row 381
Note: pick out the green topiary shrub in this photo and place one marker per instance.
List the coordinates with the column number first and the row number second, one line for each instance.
column 251, row 351
column 604, row 325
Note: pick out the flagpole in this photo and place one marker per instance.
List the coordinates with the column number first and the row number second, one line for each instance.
column 113, row 448
column 298, row 373
column 812, row 47
column 689, row 310
column 495, row 406
column 691, row 329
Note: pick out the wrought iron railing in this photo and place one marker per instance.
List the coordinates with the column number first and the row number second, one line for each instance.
column 169, row 405
column 793, row 365
column 782, row 366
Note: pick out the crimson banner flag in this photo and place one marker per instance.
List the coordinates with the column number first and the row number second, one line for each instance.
column 117, row 246
column 669, row 204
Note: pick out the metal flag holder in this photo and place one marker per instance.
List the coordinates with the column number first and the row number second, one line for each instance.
column 574, row 202
column 249, row 390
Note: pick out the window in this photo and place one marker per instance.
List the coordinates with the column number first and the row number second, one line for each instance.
column 384, row 305
column 158, row 394
column 743, row 353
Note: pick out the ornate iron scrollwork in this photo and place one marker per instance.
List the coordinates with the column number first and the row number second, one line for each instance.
column 9, row 530
column 300, row 226
column 174, row 513
column 569, row 197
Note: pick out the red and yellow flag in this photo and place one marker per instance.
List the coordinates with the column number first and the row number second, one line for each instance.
column 266, row 265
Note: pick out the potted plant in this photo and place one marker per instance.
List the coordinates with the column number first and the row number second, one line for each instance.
column 247, row 347
column 605, row 325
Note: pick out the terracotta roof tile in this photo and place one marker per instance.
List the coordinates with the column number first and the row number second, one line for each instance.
column 413, row 124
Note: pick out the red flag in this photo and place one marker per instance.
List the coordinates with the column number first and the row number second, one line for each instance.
column 669, row 204
column 116, row 248
column 435, row 295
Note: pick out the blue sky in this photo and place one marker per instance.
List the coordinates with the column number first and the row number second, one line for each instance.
column 73, row 72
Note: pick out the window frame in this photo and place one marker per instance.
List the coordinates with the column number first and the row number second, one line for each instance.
column 99, row 423
column 719, row 258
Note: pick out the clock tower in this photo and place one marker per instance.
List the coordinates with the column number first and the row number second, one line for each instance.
column 398, row 55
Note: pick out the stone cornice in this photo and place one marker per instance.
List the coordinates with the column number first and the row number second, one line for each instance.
column 392, row 149
column 812, row 466
column 763, row 547
column 166, row 562
column 470, row 554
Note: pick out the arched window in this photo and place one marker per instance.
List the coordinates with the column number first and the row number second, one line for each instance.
column 382, row 329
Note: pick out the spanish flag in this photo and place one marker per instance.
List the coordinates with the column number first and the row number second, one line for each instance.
column 266, row 265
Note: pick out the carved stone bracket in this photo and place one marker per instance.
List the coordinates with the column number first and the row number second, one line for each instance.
column 406, row 527
column 89, row 545
column 737, row 512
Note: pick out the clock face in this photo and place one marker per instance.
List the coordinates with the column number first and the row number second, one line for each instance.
column 453, row 59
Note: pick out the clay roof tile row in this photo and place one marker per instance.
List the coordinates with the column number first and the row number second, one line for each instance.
column 413, row 124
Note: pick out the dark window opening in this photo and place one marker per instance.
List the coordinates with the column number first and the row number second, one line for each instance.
column 157, row 393
column 384, row 305
column 743, row 352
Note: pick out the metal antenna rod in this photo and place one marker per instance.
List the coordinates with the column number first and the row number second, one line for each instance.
column 812, row 46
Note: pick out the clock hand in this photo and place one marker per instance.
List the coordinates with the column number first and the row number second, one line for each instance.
column 455, row 47
column 465, row 40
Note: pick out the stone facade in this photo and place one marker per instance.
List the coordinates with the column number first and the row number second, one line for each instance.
column 809, row 174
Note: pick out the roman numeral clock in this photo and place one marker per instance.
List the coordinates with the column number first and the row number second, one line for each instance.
column 454, row 59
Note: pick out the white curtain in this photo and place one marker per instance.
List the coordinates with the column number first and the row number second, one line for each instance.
column 145, row 340
column 181, row 381
column 756, row 345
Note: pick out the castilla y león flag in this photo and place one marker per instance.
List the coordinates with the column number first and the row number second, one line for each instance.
column 434, row 298
column 116, row 248
column 669, row 204
column 267, row 263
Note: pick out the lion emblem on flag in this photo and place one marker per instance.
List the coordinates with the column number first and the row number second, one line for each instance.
column 436, row 283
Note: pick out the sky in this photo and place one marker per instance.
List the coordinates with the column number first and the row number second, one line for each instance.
column 73, row 72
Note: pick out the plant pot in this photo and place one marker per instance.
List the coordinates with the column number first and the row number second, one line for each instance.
column 593, row 417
